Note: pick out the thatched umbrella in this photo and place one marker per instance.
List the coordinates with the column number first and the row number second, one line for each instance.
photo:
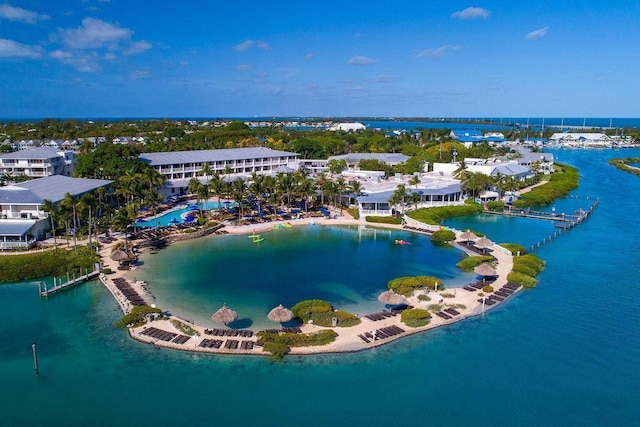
column 485, row 270
column 391, row 298
column 468, row 236
column 119, row 256
column 483, row 243
column 224, row 315
column 280, row 314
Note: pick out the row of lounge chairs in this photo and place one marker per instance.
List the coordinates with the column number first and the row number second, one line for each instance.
column 386, row 314
column 421, row 230
column 448, row 313
column 382, row 333
column 159, row 334
column 217, row 332
column 228, row 344
column 292, row 330
column 501, row 294
column 129, row 293
column 472, row 287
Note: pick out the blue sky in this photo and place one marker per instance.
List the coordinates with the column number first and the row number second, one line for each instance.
column 122, row 58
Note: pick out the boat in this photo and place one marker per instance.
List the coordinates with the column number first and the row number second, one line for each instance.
column 258, row 239
column 287, row 224
column 402, row 242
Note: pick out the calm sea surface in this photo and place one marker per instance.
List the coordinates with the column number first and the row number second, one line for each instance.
column 565, row 353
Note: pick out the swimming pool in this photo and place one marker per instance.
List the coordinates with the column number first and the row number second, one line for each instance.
column 176, row 216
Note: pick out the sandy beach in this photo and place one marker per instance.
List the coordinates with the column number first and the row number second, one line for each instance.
column 349, row 339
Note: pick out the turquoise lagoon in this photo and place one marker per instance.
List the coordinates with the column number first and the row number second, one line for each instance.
column 565, row 353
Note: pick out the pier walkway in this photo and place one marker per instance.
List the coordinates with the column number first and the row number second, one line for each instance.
column 45, row 292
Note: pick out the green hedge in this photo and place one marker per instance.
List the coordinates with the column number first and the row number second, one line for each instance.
column 136, row 316
column 278, row 344
column 384, row 220
column 469, row 263
column 522, row 280
column 487, row 289
column 514, row 248
column 415, row 317
column 496, row 206
column 322, row 314
column 56, row 262
column 442, row 237
column 436, row 215
column 525, row 268
column 622, row 164
column 562, row 182
column 408, row 284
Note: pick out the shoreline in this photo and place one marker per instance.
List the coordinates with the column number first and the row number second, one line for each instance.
column 348, row 339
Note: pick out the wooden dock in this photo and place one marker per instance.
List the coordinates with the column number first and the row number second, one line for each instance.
column 71, row 281
column 561, row 220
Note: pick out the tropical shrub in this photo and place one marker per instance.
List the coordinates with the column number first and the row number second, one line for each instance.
column 514, row 248
column 55, row 262
column 384, row 219
column 561, row 183
column 185, row 329
column 136, row 316
column 322, row 314
column 442, row 237
column 415, row 317
column 304, row 310
column 471, row 262
column 522, row 280
column 278, row 344
column 436, row 215
column 496, row 206
column 487, row 289
column 408, row 284
column 277, row 350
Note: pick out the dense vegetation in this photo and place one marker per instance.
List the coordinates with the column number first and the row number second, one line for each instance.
column 384, row 220
column 136, row 316
column 515, row 248
column 322, row 314
column 562, row 182
column 415, row 317
column 623, row 164
column 408, row 284
column 442, row 237
column 436, row 215
column 278, row 344
column 55, row 262
column 471, row 262
column 525, row 268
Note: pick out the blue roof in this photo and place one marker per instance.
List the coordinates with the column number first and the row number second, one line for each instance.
column 15, row 228
column 205, row 156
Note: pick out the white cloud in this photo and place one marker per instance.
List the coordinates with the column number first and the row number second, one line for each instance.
column 84, row 62
column 95, row 33
column 361, row 60
column 244, row 67
column 537, row 34
column 437, row 52
column 18, row 14
column 13, row 49
column 310, row 55
column 138, row 47
column 248, row 44
column 472, row 13
column 383, row 78
column 139, row 74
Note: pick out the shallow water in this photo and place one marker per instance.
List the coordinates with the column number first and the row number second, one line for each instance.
column 565, row 353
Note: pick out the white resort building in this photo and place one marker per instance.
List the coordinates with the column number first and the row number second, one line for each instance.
column 581, row 140
column 22, row 220
column 38, row 162
column 178, row 167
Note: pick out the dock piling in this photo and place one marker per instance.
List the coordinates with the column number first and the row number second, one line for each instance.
column 35, row 358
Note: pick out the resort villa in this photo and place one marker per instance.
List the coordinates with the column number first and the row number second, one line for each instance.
column 22, row 220
column 581, row 140
column 178, row 167
column 352, row 160
column 38, row 162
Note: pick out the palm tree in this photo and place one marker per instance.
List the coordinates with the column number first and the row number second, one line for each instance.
column 401, row 190
column 461, row 171
column 341, row 186
column 321, row 182
column 306, row 190
column 415, row 198
column 50, row 207
column 286, row 185
column 152, row 199
column 195, row 188
column 206, row 170
column 88, row 202
column 415, row 180
column 239, row 192
column 69, row 204
column 203, row 193
column 151, row 177
column 257, row 188
column 394, row 199
column 120, row 221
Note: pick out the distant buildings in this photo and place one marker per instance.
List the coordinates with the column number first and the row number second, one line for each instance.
column 22, row 220
column 582, row 140
column 178, row 167
column 347, row 127
column 38, row 162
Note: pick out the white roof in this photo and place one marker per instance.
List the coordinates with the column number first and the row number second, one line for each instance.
column 55, row 187
column 205, row 156
column 348, row 126
column 382, row 157
column 33, row 153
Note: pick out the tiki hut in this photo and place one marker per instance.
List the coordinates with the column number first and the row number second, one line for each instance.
column 391, row 298
column 280, row 314
column 483, row 243
column 119, row 256
column 468, row 236
column 224, row 315
column 485, row 270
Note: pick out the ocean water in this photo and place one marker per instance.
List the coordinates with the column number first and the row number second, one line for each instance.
column 565, row 353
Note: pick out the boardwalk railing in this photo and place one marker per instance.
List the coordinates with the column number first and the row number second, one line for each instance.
column 71, row 280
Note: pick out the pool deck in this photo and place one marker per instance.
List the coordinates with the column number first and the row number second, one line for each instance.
column 349, row 339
